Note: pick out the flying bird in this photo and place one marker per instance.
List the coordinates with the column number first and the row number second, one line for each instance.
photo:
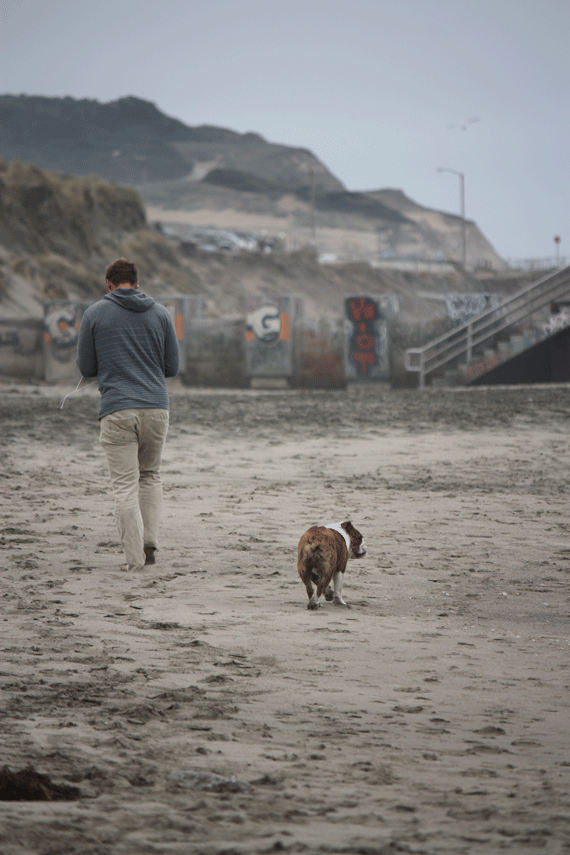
column 463, row 125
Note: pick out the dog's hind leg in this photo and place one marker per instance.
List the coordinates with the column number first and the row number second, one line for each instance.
column 311, row 592
column 313, row 595
column 323, row 587
column 337, row 595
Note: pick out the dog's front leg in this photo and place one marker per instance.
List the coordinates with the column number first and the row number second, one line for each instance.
column 338, row 580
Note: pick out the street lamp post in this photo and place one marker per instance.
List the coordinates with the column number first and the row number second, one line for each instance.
column 462, row 205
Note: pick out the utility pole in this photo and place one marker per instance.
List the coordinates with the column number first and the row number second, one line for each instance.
column 462, row 209
column 313, row 220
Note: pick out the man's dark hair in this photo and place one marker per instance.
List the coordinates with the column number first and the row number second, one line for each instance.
column 121, row 271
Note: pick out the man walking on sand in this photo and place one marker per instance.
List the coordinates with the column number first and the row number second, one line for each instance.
column 129, row 343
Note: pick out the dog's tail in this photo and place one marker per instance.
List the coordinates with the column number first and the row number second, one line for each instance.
column 310, row 550
column 311, row 556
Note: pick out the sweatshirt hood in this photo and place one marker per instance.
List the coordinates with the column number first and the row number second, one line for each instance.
column 134, row 301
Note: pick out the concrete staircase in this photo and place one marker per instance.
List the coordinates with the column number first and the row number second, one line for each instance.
column 465, row 353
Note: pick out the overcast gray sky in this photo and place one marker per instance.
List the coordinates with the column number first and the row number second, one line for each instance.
column 377, row 89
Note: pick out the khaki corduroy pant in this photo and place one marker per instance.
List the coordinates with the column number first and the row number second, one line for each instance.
column 133, row 441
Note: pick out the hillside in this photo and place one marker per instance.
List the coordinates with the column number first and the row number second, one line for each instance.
column 208, row 176
column 58, row 233
column 130, row 141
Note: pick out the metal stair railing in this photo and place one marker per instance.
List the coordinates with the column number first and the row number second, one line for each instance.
column 463, row 340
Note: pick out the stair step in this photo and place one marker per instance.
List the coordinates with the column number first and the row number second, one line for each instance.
column 517, row 344
column 526, row 307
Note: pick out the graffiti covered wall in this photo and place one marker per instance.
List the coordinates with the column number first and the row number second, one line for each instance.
column 367, row 337
column 268, row 335
column 61, row 332
column 274, row 340
column 183, row 310
column 461, row 308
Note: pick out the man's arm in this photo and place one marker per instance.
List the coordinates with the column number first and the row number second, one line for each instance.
column 171, row 350
column 86, row 354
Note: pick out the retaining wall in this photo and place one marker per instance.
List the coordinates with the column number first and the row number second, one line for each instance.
column 21, row 349
column 271, row 340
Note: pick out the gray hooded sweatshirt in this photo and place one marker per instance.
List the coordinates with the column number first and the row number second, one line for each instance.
column 129, row 343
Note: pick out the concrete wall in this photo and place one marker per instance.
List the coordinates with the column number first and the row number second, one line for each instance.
column 269, row 333
column 61, row 332
column 21, row 349
column 367, row 337
column 216, row 353
column 183, row 311
column 222, row 352
column 318, row 355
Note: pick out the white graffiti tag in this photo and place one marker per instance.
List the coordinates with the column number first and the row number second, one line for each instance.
column 265, row 323
column 61, row 326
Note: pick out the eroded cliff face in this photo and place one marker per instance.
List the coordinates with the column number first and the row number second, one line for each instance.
column 58, row 233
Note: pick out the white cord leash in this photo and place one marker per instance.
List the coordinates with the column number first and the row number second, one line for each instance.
column 74, row 391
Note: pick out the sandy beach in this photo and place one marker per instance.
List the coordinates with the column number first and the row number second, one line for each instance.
column 199, row 707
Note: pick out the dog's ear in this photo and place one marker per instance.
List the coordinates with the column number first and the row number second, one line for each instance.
column 348, row 527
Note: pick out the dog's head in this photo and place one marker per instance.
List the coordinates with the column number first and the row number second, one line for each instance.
column 357, row 547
